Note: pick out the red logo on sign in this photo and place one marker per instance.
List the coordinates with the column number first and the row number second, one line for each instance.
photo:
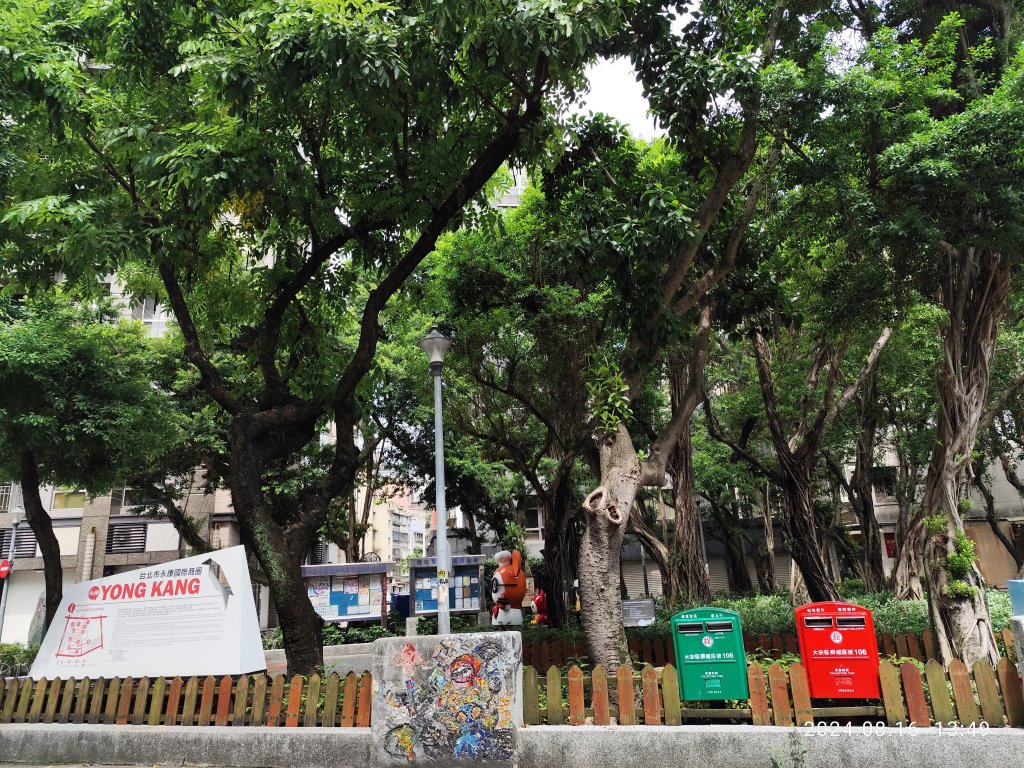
column 71, row 607
column 707, row 641
column 94, row 592
column 5, row 568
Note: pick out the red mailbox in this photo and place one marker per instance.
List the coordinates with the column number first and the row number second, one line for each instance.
column 839, row 650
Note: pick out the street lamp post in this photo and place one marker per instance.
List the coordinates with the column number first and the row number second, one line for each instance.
column 10, row 557
column 436, row 344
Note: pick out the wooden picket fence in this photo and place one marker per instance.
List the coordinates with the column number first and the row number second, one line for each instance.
column 990, row 698
column 659, row 651
column 332, row 701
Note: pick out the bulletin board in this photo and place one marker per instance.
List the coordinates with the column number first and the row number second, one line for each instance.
column 348, row 591
column 465, row 587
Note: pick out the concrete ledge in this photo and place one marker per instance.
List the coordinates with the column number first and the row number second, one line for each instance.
column 249, row 747
column 354, row 657
column 695, row 746
column 746, row 746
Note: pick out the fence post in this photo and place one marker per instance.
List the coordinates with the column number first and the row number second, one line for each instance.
column 599, row 692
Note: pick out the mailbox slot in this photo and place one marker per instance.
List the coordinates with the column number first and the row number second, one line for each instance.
column 817, row 622
column 720, row 626
column 690, row 629
column 850, row 622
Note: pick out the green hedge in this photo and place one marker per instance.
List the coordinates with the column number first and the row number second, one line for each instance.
column 16, row 658
column 760, row 614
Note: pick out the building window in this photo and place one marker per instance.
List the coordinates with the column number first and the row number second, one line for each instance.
column 25, row 546
column 534, row 520
column 883, row 480
column 126, row 539
column 6, row 491
column 125, row 501
column 68, row 498
column 318, row 553
column 890, row 544
column 152, row 316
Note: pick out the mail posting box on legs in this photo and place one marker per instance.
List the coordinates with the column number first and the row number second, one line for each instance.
column 710, row 656
column 839, row 650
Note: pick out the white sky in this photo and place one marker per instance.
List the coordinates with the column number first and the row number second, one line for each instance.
column 615, row 91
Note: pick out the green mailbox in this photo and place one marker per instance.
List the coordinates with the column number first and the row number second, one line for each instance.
column 709, row 654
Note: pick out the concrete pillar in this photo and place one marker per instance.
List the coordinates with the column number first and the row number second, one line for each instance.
column 447, row 700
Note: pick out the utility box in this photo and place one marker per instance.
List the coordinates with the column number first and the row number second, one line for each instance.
column 709, row 654
column 1016, row 589
column 839, row 650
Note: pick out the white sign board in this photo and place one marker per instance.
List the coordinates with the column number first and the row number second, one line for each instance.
column 186, row 617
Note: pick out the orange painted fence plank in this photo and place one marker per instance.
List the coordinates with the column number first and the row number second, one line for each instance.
column 650, row 695
column 624, row 689
column 173, row 699
column 125, row 700
column 913, row 693
column 803, row 713
column 577, row 709
column 778, row 685
column 1013, row 692
column 365, row 701
column 599, row 692
column 348, row 707
column 276, row 697
column 291, row 718
column 758, row 695
column 223, row 711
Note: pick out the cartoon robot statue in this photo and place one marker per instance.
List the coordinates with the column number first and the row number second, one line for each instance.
column 508, row 588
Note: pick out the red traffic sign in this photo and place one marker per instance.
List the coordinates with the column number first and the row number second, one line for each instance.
column 5, row 568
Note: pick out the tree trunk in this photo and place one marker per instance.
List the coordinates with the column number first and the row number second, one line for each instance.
column 800, row 526
column 607, row 512
column 764, row 551
column 280, row 550
column 736, row 565
column 906, row 572
column 42, row 526
column 561, row 548
column 658, row 552
column 862, row 498
column 798, row 594
column 974, row 296
column 686, row 560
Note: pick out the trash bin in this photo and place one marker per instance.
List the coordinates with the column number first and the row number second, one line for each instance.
column 839, row 650
column 709, row 654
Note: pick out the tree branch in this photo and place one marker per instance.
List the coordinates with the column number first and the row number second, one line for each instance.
column 653, row 468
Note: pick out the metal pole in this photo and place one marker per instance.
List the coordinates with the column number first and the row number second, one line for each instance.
column 7, row 580
column 703, row 544
column 444, row 560
column 643, row 567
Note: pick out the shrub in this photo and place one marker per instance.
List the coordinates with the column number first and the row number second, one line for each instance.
column 852, row 588
column 16, row 659
column 892, row 616
column 999, row 609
